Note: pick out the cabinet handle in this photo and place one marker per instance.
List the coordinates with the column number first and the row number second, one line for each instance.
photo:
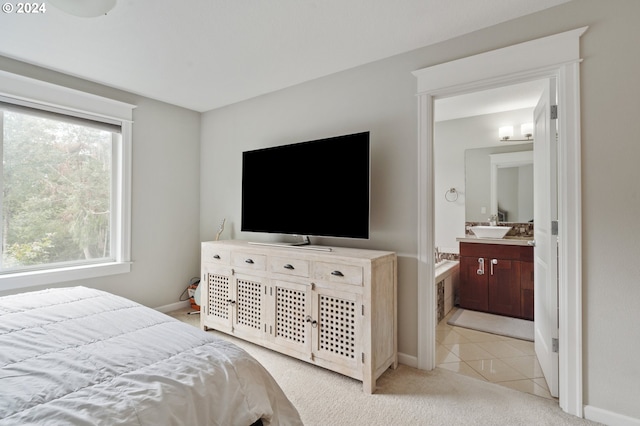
column 289, row 266
column 216, row 256
column 493, row 262
column 480, row 270
column 231, row 302
column 337, row 273
column 313, row 322
column 249, row 261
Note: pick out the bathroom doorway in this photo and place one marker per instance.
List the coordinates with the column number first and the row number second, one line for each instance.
column 466, row 139
column 556, row 57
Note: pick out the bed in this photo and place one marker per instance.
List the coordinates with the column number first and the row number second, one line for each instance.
column 83, row 356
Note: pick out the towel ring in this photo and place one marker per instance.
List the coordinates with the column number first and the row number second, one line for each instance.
column 451, row 198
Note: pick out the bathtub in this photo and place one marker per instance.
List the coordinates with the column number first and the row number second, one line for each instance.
column 447, row 274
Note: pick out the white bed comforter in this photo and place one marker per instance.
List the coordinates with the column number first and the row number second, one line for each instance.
column 81, row 356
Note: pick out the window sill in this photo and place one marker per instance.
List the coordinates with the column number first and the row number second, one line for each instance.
column 21, row 280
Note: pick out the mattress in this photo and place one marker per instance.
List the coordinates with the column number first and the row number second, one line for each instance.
column 83, row 356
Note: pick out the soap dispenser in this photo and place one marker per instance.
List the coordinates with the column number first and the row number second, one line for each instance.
column 493, row 220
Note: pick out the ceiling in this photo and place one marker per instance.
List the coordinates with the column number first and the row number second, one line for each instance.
column 204, row 54
column 490, row 101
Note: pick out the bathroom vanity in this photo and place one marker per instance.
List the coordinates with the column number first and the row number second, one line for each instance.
column 496, row 276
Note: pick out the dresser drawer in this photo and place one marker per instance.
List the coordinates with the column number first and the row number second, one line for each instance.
column 256, row 262
column 215, row 255
column 289, row 266
column 338, row 273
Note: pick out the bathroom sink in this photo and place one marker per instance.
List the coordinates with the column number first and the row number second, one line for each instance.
column 490, row 231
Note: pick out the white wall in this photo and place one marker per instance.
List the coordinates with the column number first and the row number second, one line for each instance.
column 165, row 194
column 380, row 97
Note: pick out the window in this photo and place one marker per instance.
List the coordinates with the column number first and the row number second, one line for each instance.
column 65, row 177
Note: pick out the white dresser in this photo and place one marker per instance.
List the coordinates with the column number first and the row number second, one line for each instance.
column 335, row 309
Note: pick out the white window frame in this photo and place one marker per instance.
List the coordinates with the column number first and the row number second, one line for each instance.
column 75, row 102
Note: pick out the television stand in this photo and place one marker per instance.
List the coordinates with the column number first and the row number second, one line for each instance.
column 335, row 310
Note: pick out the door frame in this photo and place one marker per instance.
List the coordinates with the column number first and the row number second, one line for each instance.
column 556, row 56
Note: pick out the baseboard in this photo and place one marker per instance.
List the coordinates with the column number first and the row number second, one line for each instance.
column 408, row 360
column 608, row 417
column 173, row 306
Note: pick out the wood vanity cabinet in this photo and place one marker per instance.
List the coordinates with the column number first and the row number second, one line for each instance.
column 497, row 278
column 334, row 309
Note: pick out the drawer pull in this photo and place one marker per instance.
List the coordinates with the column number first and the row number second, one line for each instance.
column 216, row 256
column 289, row 267
column 337, row 273
column 493, row 262
column 249, row 261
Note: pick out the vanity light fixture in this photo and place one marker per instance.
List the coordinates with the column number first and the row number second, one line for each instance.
column 505, row 133
column 84, row 8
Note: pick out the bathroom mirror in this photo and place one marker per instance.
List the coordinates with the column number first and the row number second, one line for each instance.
column 499, row 180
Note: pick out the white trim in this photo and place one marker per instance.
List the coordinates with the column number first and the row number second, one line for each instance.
column 22, row 280
column 570, row 240
column 558, row 49
column 173, row 306
column 557, row 57
column 44, row 93
column 408, row 360
column 608, row 417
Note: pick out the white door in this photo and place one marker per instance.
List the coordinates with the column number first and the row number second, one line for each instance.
column 546, row 244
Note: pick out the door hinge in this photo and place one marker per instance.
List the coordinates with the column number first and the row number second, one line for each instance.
column 362, row 309
column 554, row 112
column 363, row 357
column 555, row 345
column 554, row 227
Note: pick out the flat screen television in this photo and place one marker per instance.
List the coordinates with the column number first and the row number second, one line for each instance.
column 315, row 188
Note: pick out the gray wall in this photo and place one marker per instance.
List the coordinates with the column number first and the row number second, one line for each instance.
column 380, row 97
column 165, row 194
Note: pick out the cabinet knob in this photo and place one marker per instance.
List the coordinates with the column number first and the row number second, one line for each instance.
column 216, row 256
column 231, row 302
column 289, row 267
column 337, row 274
column 249, row 261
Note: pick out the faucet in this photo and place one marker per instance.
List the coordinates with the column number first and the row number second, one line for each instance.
column 493, row 220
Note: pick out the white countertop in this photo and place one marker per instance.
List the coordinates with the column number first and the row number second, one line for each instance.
column 509, row 241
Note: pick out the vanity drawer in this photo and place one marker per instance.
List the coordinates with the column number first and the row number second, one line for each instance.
column 338, row 273
column 289, row 266
column 256, row 262
column 215, row 255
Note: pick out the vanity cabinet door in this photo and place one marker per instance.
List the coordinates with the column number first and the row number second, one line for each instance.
column 504, row 286
column 474, row 292
column 526, row 289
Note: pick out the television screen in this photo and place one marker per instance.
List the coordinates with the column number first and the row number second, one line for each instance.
column 316, row 188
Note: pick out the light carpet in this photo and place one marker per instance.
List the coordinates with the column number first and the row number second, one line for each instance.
column 405, row 396
column 495, row 324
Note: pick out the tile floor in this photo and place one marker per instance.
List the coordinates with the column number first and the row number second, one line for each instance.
column 484, row 356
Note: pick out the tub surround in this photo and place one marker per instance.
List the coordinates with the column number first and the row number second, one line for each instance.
column 447, row 283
